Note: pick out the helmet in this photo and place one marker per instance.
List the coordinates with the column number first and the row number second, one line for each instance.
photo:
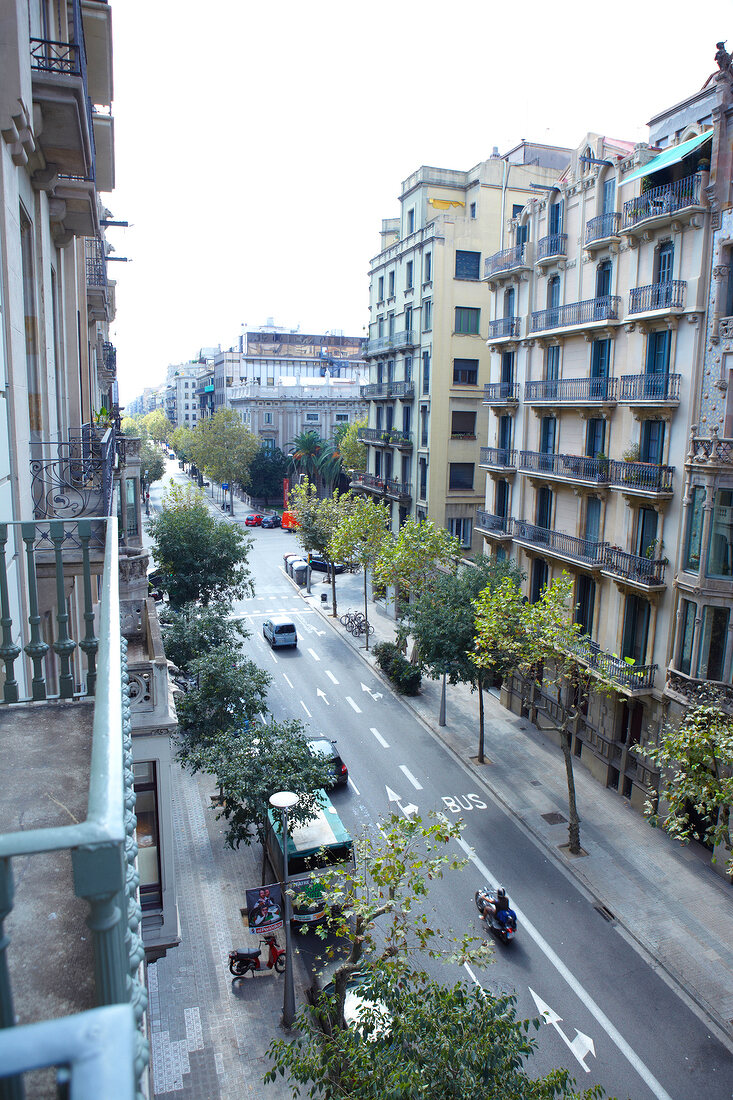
column 501, row 892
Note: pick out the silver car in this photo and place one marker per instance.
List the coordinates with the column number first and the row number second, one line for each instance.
column 280, row 631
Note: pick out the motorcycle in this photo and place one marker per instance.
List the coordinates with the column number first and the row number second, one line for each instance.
column 242, row 962
column 502, row 924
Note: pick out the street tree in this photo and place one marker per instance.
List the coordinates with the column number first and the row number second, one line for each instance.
column 182, row 442
column 192, row 631
column 132, row 425
column 267, row 471
column 695, row 758
column 229, row 693
column 361, row 533
column 157, row 425
column 152, row 465
column 353, row 452
column 318, row 519
column 224, row 449
column 306, row 448
column 329, row 466
column 200, row 557
column 409, row 560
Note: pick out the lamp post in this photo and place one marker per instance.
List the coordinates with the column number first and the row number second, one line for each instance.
column 441, row 717
column 284, row 801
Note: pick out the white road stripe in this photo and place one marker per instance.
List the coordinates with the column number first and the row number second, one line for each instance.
column 305, row 708
column 379, row 738
column 581, row 993
column 353, row 784
column 331, row 677
column 353, row 704
column 287, row 681
column 314, row 655
column 406, row 771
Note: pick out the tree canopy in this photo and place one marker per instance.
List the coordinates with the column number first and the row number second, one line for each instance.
column 360, row 535
column 157, row 425
column 318, row 518
column 353, row 453
column 224, row 449
column 182, row 442
column 410, row 559
column 230, row 693
column 152, row 465
column 267, row 471
column 307, row 447
column 193, row 630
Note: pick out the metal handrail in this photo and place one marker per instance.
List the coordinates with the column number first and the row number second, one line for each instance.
column 554, row 244
column 505, row 260
column 605, row 225
column 605, row 308
column 388, row 389
column 68, row 479
column 634, row 567
column 499, row 392
column 50, row 56
column 667, row 199
column 574, row 467
column 504, row 327
column 587, row 551
column 650, row 387
column 489, row 521
column 669, row 295
column 647, row 476
column 629, row 675
column 498, row 456
column 571, row 389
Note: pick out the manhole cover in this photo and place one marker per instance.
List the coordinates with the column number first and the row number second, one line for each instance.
column 535, row 782
column 553, row 818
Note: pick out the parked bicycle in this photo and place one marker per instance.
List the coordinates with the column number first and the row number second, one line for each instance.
column 363, row 626
column 351, row 617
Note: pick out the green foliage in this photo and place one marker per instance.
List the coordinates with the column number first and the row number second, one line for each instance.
column 329, row 465
column 409, row 560
column 304, row 456
column 224, row 449
column 230, row 692
column 182, row 442
column 193, row 631
column 501, row 644
column 201, row 558
column 405, row 676
column 361, row 532
column 695, row 756
column 266, row 473
column 132, row 426
column 152, row 465
column 353, row 453
column 157, row 426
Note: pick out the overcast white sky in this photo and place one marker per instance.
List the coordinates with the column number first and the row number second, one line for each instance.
column 259, row 145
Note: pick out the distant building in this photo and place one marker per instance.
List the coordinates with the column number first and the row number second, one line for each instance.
column 277, row 414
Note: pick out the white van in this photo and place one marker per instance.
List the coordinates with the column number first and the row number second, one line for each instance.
column 280, row 631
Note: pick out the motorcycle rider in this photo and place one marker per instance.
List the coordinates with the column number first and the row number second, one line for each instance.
column 497, row 905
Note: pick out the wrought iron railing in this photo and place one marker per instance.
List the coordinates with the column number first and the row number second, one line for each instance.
column 388, row 389
column 488, row 521
column 567, row 390
column 605, row 225
column 605, row 308
column 709, row 450
column 646, row 476
column 49, row 56
column 669, row 295
column 650, row 387
column 663, row 200
column 587, row 551
column 634, row 677
column 372, row 435
column 387, row 485
column 403, row 339
column 554, row 244
column 497, row 393
column 96, row 267
column 573, row 467
column 498, row 456
column 398, row 438
column 634, row 567
column 109, row 356
column 505, row 327
column 74, row 479
column 505, row 260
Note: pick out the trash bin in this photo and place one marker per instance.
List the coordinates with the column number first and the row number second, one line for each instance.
column 324, row 597
column 300, row 572
column 293, row 564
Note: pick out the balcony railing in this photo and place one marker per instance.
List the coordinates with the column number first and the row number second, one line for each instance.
column 109, row 357
column 587, row 551
column 387, row 485
column 505, row 328
column 605, row 308
column 572, row 467
column 571, row 390
column 498, row 393
column 503, row 457
column 650, row 387
column 670, row 295
column 668, row 199
column 554, row 244
column 633, row 677
column 710, row 451
column 74, row 479
column 635, row 567
column 388, row 389
column 49, row 56
column 505, row 260
column 641, row 476
column 96, row 267
column 488, row 521
column 403, row 339
column 605, row 225
column 398, row 438
column 372, row 435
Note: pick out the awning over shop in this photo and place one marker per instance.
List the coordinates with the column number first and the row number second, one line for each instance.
column 670, row 156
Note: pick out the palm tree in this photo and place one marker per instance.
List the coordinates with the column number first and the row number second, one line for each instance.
column 305, row 457
column 329, row 465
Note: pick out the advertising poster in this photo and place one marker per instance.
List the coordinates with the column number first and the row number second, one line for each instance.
column 264, row 909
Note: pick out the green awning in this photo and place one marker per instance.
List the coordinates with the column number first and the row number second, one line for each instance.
column 670, row 156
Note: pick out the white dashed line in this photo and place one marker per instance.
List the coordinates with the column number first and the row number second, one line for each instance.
column 287, row 681
column 331, row 677
column 314, row 655
column 305, row 708
column 353, row 784
column 406, row 771
column 379, row 738
column 351, row 702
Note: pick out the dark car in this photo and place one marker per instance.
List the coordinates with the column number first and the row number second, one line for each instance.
column 327, row 749
column 254, row 519
column 271, row 521
column 323, row 566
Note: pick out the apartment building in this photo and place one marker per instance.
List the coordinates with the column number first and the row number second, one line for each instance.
column 182, row 400
column 86, row 711
column 279, row 413
column 427, row 355
column 597, row 337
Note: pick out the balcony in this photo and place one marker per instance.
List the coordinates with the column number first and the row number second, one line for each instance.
column 658, row 297
column 650, row 389
column 603, row 230
column 72, row 860
column 577, row 314
column 586, row 552
column 501, row 393
column 660, row 206
column 686, row 689
column 379, row 390
column 382, row 344
column 385, row 437
column 389, row 486
column 498, row 458
column 636, row 570
column 495, row 527
column 506, row 328
column 397, row 438
column 74, row 479
column 508, row 262
column 635, row 679
column 99, row 304
column 551, row 248
column 641, row 478
column 570, row 468
column 571, row 391
column 709, row 451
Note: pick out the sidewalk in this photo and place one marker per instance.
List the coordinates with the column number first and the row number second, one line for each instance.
column 664, row 895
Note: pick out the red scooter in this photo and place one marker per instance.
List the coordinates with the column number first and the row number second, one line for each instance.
column 242, row 962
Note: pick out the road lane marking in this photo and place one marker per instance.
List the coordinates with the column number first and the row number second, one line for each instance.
column 353, row 784
column 581, row 993
column 305, row 708
column 406, row 772
column 331, row 677
column 314, row 655
column 351, row 702
column 288, row 682
column 322, row 695
column 379, row 738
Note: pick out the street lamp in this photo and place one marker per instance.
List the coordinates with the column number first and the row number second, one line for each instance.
column 284, row 801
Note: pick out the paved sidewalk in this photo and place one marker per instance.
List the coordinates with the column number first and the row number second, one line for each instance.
column 666, row 896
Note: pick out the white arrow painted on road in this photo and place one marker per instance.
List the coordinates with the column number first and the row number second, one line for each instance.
column 392, row 795
column 323, row 696
column 408, row 810
column 374, row 694
column 581, row 1045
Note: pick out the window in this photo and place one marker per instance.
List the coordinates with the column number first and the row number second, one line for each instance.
column 428, row 268
column 555, row 222
column 424, row 422
column 517, row 209
column 646, row 532
column 131, row 501
column 147, row 836
column 664, row 264
column 720, row 551
column 544, row 508
column 468, row 319
column 342, row 418
column 268, row 444
column 711, row 661
column 693, row 540
column 406, row 419
column 522, row 235
column 552, row 363
column 585, row 594
column 548, row 431
column 390, row 284
column 408, row 319
column 687, row 633
column 539, row 579
column 311, row 416
column 657, row 352
column 468, row 264
column 380, row 289
column 505, row 432
column 390, row 325
column 594, row 437
column 553, row 301
column 427, row 315
column 509, row 302
column 411, row 220
column 408, row 363
column 380, row 326
column 609, row 196
column 603, row 279
column 462, row 529
column 463, row 425
column 652, row 442
column 501, row 498
column 426, row 372
column 636, row 628
column 465, row 372
column 390, row 369
column 592, row 519
column 461, row 476
column 472, row 211
column 268, row 418
column 423, row 479
column 408, row 274
column 507, row 373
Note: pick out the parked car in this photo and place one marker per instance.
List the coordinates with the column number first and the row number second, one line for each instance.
column 327, row 749
column 280, row 631
column 254, row 519
column 271, row 521
column 323, row 566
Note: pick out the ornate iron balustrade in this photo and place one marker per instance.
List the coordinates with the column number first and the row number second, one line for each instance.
column 403, row 389
column 504, row 457
column 372, row 435
column 605, row 308
column 403, row 339
column 496, row 393
column 505, row 260
column 96, row 267
column 399, row 438
column 49, row 56
column 662, row 200
column 635, row 567
column 650, row 387
column 605, row 225
column 505, row 327
column 646, row 476
column 669, row 295
column 587, row 551
column 573, row 467
column 387, row 485
column 388, row 389
column 689, row 688
column 633, row 677
column 554, row 244
column 560, row 390
column 74, row 479
column 379, row 343
column 488, row 521
column 109, row 356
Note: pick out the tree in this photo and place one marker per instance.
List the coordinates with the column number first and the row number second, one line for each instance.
column 230, row 693
column 224, row 449
column 695, row 756
column 267, row 471
column 329, row 465
column 132, row 425
column 182, row 442
column 306, row 449
column 318, row 519
column 157, row 425
column 410, row 559
column 152, row 466
column 360, row 535
column 353, row 453
column 199, row 557
column 192, row 631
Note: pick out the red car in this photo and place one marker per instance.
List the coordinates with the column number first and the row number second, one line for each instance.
column 254, row 519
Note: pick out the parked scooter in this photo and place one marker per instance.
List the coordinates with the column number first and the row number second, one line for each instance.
column 502, row 923
column 242, row 962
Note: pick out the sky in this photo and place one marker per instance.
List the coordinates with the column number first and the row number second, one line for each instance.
column 258, row 146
